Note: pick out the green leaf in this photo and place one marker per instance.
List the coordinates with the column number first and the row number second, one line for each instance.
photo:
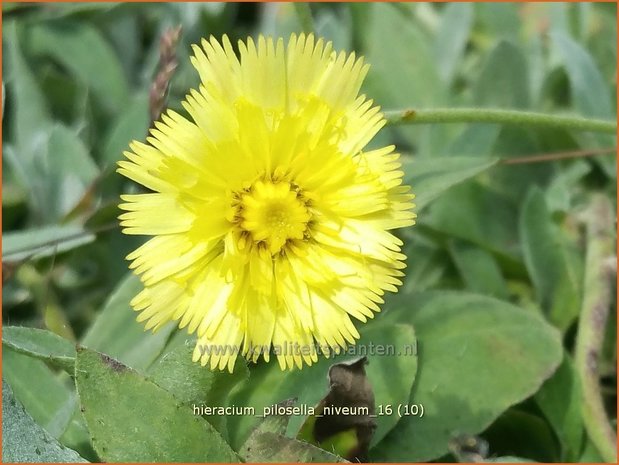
column 118, row 403
column 590, row 93
column 268, row 385
column 503, row 82
column 273, row 447
column 509, row 459
column 194, row 384
column 41, row 344
column 68, row 171
column 57, row 169
column 472, row 212
column 43, row 242
column 82, row 50
column 117, row 333
column 513, row 181
column 31, row 121
column 280, row 19
column 47, row 400
column 554, row 268
column 564, row 187
column 31, row 110
column 267, row 442
column 334, row 27
column 452, row 37
column 499, row 20
column 478, row 269
column 478, row 356
column 131, row 124
column 274, row 423
column 590, row 454
column 67, row 9
column 430, row 177
column 476, row 139
column 425, row 264
column 416, row 82
column 524, row 435
column 561, row 401
column 23, row 440
column 43, row 399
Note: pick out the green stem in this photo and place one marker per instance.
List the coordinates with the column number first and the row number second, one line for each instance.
column 304, row 13
column 592, row 324
column 513, row 117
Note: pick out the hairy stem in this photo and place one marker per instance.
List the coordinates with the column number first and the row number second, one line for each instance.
column 512, row 117
column 591, row 328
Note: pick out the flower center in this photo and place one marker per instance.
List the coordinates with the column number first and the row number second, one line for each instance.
column 273, row 213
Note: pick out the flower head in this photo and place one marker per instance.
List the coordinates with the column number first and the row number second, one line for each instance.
column 270, row 222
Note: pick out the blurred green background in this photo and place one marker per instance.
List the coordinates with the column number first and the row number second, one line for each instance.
column 506, row 238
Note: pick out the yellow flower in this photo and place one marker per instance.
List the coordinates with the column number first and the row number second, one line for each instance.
column 270, row 221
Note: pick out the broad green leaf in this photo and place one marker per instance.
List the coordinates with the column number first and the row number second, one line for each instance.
column 43, row 242
column 417, row 81
column 57, row 168
column 390, row 36
column 554, row 267
column 478, row 269
column 119, row 403
column 425, row 264
column 41, row 344
column 452, row 37
column 275, row 423
column 602, row 24
column 67, row 9
column 68, row 171
column 499, row 20
column 590, row 454
column 267, row 443
column 43, row 399
column 590, row 93
column 194, row 384
column 524, row 435
column 268, row 385
column 472, row 212
column 31, row 113
column 14, row 198
column 82, row 50
column 31, row 121
column 48, row 400
column 560, row 400
column 131, row 124
column 564, row 187
column 273, row 447
column 509, row 459
column 558, row 15
column 23, row 440
column 280, row 19
column 117, row 333
column 478, row 356
column 476, row 140
column 513, row 181
column 503, row 82
column 334, row 27
column 430, row 177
